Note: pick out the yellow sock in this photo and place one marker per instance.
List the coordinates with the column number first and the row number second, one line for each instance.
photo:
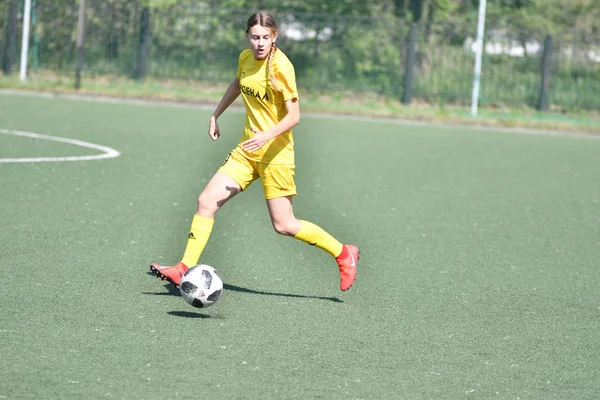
column 197, row 239
column 315, row 236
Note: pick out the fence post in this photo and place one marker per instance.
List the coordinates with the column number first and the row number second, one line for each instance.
column 80, row 43
column 144, row 45
column 410, row 63
column 25, row 40
column 546, row 67
column 10, row 40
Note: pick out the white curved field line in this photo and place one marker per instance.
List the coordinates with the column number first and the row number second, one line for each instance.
column 107, row 152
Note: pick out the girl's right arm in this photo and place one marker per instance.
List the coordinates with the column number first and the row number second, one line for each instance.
column 232, row 93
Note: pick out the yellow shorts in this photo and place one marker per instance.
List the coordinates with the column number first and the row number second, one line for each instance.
column 277, row 179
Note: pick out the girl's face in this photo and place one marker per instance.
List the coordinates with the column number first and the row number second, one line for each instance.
column 261, row 40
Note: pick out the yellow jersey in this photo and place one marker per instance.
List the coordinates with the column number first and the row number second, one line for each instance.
column 265, row 106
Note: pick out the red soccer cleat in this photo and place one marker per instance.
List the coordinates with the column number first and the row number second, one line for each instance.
column 347, row 266
column 172, row 274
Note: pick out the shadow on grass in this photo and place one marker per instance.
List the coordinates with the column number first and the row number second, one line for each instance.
column 172, row 291
column 189, row 314
column 240, row 289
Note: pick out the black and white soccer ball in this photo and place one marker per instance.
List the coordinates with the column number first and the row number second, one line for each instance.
column 201, row 286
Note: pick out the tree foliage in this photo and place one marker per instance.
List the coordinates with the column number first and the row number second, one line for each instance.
column 350, row 44
column 549, row 16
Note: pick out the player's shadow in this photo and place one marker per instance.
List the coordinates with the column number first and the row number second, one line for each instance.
column 173, row 291
column 240, row 289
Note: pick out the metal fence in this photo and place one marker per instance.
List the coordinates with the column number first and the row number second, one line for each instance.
column 354, row 54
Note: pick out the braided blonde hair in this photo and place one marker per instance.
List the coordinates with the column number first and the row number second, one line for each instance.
column 266, row 20
column 272, row 78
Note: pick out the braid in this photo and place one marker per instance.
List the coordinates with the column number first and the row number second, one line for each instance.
column 270, row 67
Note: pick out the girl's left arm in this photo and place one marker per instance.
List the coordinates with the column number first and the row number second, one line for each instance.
column 291, row 119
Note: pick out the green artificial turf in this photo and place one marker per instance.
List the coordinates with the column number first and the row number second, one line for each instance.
column 478, row 278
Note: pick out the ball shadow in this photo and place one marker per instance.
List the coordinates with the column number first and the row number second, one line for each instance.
column 189, row 314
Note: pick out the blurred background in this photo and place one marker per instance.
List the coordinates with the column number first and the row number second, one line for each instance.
column 537, row 54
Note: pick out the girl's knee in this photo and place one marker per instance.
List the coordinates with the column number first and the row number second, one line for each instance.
column 289, row 227
column 282, row 227
column 206, row 204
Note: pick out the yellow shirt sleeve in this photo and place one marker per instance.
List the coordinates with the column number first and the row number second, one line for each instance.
column 286, row 78
column 241, row 59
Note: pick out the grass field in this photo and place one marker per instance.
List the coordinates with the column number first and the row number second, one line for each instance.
column 478, row 279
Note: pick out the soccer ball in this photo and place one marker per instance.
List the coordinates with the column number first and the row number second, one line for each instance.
column 201, row 286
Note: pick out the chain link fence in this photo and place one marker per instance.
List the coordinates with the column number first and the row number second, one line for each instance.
column 330, row 52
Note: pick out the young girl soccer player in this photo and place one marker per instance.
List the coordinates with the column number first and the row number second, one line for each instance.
column 267, row 82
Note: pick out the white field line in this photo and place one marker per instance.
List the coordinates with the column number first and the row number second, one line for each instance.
column 107, row 152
